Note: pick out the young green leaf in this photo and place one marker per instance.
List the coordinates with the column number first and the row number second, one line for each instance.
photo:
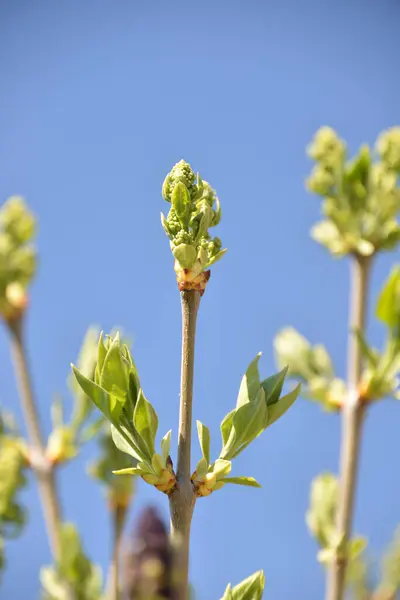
column 180, row 200
column 221, row 468
column 216, row 257
column 388, row 305
column 250, row 383
column 204, row 440
column 145, row 421
column 128, row 471
column 125, row 444
column 248, row 481
column 226, row 426
column 273, row 386
column 201, row 469
column 370, row 355
column 228, row 593
column 109, row 405
column 101, row 352
column 113, row 375
column 185, row 255
column 248, row 421
column 277, row 410
column 251, row 588
column 166, row 445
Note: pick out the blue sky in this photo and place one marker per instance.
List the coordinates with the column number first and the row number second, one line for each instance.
column 98, row 101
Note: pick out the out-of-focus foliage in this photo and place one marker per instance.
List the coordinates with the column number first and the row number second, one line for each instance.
column 390, row 570
column 17, row 256
column 360, row 197
column 311, row 365
column 380, row 377
column 321, row 521
column 119, row 490
column 12, row 479
column 74, row 569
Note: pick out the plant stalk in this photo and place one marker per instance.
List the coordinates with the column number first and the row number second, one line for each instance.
column 353, row 413
column 119, row 517
column 42, row 468
column 182, row 499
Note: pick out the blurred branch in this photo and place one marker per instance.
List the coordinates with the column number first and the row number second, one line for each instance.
column 42, row 468
column 119, row 518
column 352, row 419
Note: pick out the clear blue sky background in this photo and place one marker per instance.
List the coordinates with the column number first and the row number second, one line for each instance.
column 98, row 100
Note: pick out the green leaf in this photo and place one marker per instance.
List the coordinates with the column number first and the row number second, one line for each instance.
column 128, row 471
column 279, row 409
column 109, row 405
column 248, row 481
column 250, row 383
column 248, row 421
column 164, row 224
column 204, row 440
column 205, row 218
column 57, row 412
column 221, row 468
column 273, row 386
column 368, row 353
column 125, row 444
column 145, row 421
column 101, row 352
column 166, row 445
column 91, row 430
column 185, row 255
column 228, row 593
column 180, row 200
column 356, row 546
column 216, row 257
column 226, row 426
column 113, row 375
column 388, row 305
column 157, row 463
column 201, row 469
column 250, row 589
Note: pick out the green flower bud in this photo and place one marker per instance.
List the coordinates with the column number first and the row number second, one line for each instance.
column 320, row 181
column 17, row 256
column 180, row 173
column 326, row 146
column 16, row 220
column 388, row 147
column 12, row 479
column 194, row 209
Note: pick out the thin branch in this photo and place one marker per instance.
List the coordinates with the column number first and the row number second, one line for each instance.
column 352, row 420
column 43, row 470
column 119, row 517
column 183, row 498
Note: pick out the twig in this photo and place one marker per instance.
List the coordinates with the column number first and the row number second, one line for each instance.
column 352, row 419
column 42, row 468
column 183, row 498
column 119, row 517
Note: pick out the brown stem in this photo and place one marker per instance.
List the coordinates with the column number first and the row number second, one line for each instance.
column 43, row 470
column 119, row 517
column 352, row 420
column 183, row 498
